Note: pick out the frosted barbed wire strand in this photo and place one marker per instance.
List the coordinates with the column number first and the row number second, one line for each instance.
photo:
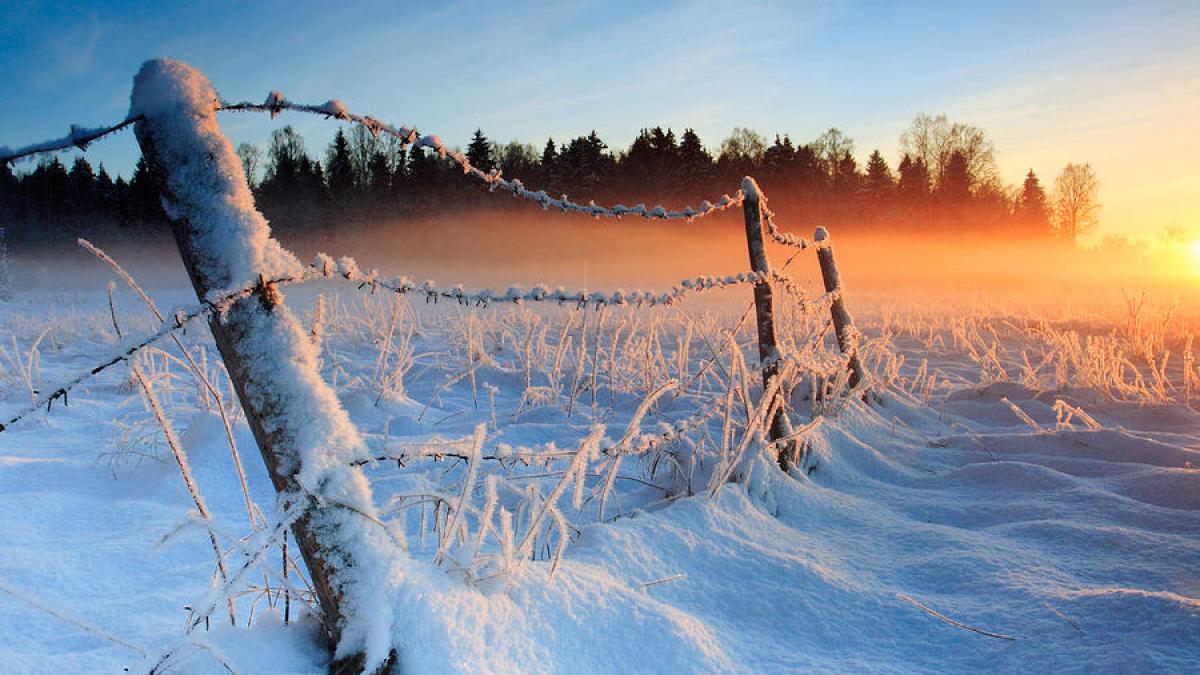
column 346, row 268
column 79, row 138
column 276, row 103
column 779, row 236
column 182, row 317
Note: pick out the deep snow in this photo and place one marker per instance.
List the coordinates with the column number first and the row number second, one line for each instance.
column 1080, row 544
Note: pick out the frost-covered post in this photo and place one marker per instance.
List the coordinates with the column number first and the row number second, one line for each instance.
column 843, row 323
column 764, row 310
column 306, row 438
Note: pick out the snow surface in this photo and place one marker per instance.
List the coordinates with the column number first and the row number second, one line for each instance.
column 1081, row 544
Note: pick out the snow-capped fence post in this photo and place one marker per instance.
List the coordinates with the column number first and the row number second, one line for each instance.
column 305, row 437
column 843, row 323
column 764, row 311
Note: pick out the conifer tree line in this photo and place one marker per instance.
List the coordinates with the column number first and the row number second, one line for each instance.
column 945, row 181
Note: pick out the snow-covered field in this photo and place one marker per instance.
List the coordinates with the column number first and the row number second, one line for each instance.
column 1019, row 493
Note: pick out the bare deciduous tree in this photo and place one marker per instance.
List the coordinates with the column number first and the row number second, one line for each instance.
column 741, row 152
column 1076, row 201
column 935, row 140
column 250, row 156
column 743, row 145
column 831, row 147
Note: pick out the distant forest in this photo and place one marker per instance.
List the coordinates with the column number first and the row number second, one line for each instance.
column 945, row 182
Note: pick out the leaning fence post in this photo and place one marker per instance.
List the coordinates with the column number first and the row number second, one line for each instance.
column 301, row 430
column 843, row 323
column 764, row 311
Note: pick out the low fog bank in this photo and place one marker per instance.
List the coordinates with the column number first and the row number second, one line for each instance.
column 495, row 250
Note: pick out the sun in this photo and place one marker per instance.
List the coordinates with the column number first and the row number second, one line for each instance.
column 1194, row 247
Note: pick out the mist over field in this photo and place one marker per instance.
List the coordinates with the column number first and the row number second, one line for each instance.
column 495, row 249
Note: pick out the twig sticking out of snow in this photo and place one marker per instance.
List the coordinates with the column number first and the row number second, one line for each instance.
column 942, row 617
column 185, row 470
column 1023, row 416
column 673, row 577
column 292, row 508
column 197, row 371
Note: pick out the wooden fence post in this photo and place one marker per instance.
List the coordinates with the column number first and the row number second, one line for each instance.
column 764, row 310
column 843, row 323
column 179, row 137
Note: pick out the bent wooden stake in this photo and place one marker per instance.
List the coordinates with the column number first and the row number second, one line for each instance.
column 302, row 431
column 764, row 309
column 843, row 323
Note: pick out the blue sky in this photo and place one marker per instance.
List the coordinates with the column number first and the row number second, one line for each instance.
column 1114, row 84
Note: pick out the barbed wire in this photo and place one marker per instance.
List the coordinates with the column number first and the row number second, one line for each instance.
column 778, row 236
column 79, row 138
column 347, row 268
column 181, row 318
column 276, row 103
column 324, row 266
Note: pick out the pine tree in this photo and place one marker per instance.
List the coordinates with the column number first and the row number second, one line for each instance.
column 480, row 153
column 379, row 191
column 954, row 186
column 551, row 171
column 145, row 192
column 637, row 167
column 665, row 162
column 780, row 158
column 846, row 178
column 339, row 169
column 1032, row 211
column 105, row 191
column 585, row 165
column 81, row 187
column 695, row 165
column 914, row 179
column 879, row 180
